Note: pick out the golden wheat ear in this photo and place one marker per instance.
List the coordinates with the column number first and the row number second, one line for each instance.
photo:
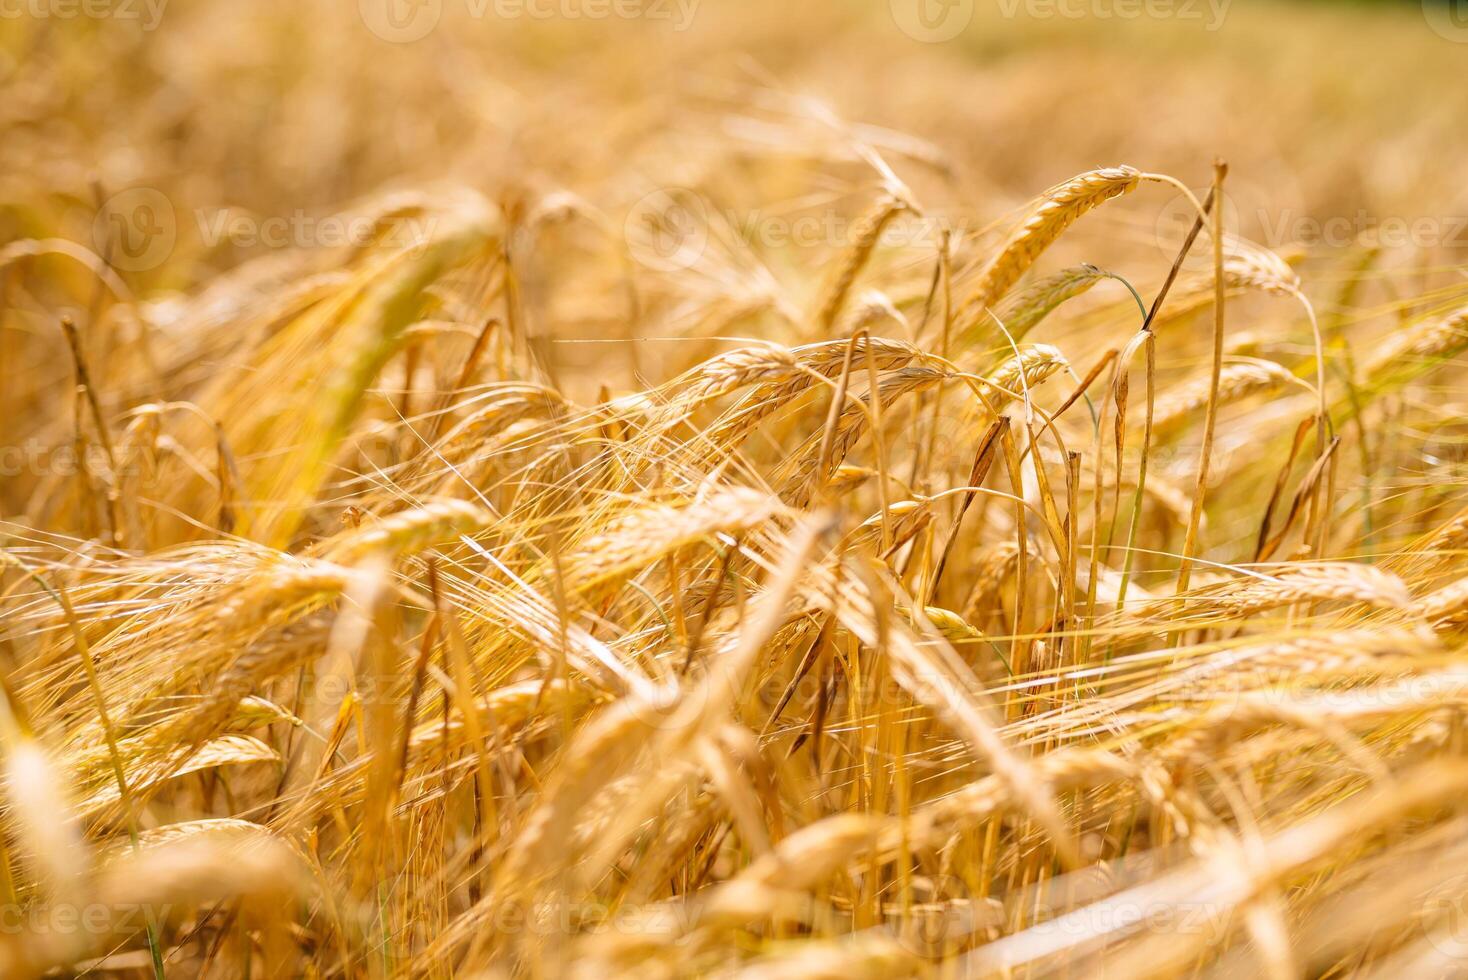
column 1058, row 209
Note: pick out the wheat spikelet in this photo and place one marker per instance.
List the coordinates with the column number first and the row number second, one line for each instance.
column 507, row 707
column 1447, row 608
column 280, row 586
column 410, row 531
column 994, row 567
column 645, row 535
column 1407, row 354
column 601, row 750
column 1235, row 383
column 199, row 868
column 1057, row 211
column 847, row 478
column 801, row 861
column 1024, row 310
column 865, row 234
column 253, row 711
column 872, row 309
column 1031, row 367
column 903, row 518
column 505, row 405
column 865, row 955
column 254, row 662
column 228, row 829
column 851, row 424
column 1335, row 581
column 953, row 626
column 1341, row 581
column 1440, row 548
column 777, row 388
column 1339, row 652
column 937, row 821
column 42, row 820
column 744, row 366
column 225, row 750
column 1248, row 266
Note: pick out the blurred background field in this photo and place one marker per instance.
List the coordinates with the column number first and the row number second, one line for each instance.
column 1323, row 109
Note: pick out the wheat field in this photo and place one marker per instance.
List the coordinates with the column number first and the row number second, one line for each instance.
column 672, row 488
